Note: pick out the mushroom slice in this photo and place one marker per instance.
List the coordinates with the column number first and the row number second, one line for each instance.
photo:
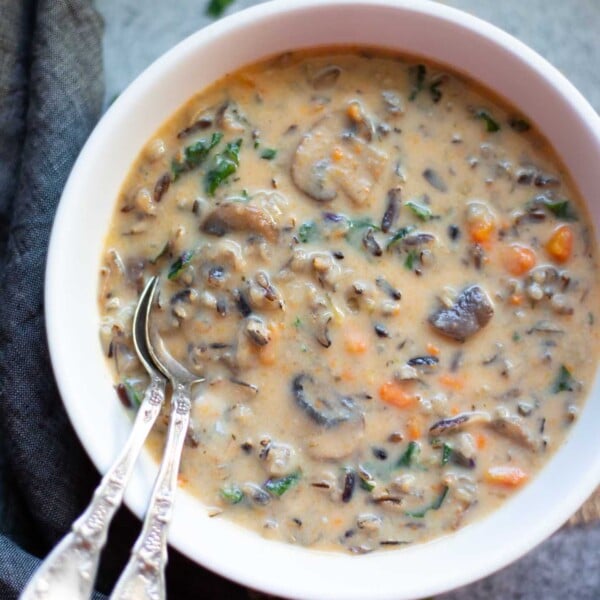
column 355, row 171
column 235, row 216
column 459, row 422
column 320, row 404
column 325, row 77
column 513, row 428
column 257, row 331
column 335, row 444
column 471, row 311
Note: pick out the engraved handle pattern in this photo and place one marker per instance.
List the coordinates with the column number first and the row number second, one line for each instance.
column 70, row 569
column 144, row 575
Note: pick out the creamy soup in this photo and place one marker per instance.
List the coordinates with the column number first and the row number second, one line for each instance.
column 388, row 281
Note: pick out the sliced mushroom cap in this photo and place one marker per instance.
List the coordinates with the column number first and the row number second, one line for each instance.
column 257, row 331
column 514, row 429
column 354, row 172
column 471, row 311
column 322, row 320
column 235, row 216
column 325, row 77
column 335, row 444
column 321, row 404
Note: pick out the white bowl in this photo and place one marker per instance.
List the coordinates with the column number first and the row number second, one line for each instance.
column 422, row 28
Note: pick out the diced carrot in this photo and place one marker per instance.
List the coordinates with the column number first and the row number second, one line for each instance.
column 433, row 350
column 480, row 441
column 560, row 244
column 413, row 428
column 454, row 410
column 267, row 355
column 355, row 342
column 516, row 299
column 518, row 259
column 452, row 381
column 348, row 375
column 481, row 231
column 397, row 394
column 505, row 475
column 353, row 111
column 337, row 154
column 337, row 521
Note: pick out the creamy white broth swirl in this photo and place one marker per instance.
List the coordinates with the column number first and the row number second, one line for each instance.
column 388, row 280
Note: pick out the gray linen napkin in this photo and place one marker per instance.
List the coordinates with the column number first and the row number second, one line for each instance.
column 51, row 89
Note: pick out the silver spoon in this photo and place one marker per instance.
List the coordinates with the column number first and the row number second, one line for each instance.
column 70, row 569
column 144, row 576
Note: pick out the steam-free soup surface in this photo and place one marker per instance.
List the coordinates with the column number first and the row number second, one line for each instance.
column 386, row 278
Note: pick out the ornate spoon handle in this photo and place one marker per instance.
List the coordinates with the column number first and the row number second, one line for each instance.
column 70, row 569
column 144, row 575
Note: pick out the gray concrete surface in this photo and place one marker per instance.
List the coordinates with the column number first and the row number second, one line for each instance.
column 566, row 32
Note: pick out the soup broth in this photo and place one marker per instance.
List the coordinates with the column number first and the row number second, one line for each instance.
column 386, row 277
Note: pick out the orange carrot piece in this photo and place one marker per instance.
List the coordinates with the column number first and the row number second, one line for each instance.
column 337, row 154
column 451, row 381
column 348, row 375
column 355, row 343
column 433, row 350
column 481, row 231
column 518, row 259
column 396, row 394
column 560, row 244
column 413, row 428
column 516, row 299
column 506, row 475
column 480, row 441
column 267, row 355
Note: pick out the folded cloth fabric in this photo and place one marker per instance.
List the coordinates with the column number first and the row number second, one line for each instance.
column 51, row 90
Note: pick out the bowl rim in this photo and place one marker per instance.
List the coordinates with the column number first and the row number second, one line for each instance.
column 243, row 573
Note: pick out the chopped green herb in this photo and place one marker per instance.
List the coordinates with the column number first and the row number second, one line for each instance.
column 280, row 485
column 561, row 209
column 216, row 8
column 232, row 493
column 194, row 155
column 446, row 453
column 355, row 227
column 420, row 210
column 180, row 264
column 133, row 395
column 307, row 232
column 304, row 348
column 435, row 505
column 366, row 484
column 590, row 318
column 409, row 455
column 226, row 164
column 297, row 322
column 409, row 262
column 564, row 381
column 400, row 234
column 519, row 125
column 256, row 144
column 416, row 74
column 268, row 153
column 361, row 223
column 516, row 336
column 491, row 125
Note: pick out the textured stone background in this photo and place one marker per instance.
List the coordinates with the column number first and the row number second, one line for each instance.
column 567, row 33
